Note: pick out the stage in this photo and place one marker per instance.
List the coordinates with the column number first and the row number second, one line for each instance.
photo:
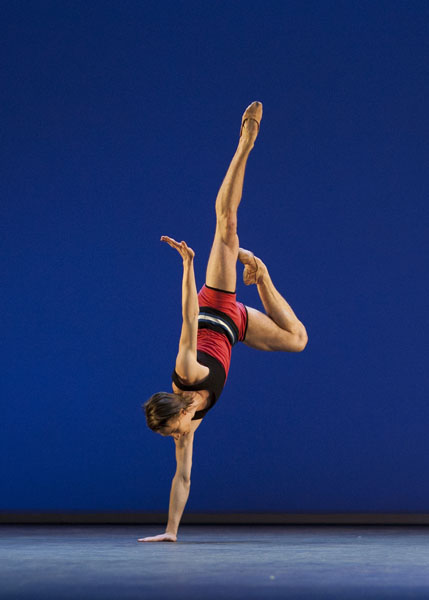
column 237, row 561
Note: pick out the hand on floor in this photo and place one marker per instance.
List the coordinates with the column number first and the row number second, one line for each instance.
column 164, row 537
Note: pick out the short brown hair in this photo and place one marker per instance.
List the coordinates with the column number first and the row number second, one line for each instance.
column 163, row 406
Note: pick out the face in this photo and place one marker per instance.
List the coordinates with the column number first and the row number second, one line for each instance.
column 179, row 427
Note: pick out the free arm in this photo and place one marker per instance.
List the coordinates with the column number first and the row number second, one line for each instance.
column 190, row 306
column 187, row 366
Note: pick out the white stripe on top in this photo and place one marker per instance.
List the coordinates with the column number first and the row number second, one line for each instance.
column 218, row 321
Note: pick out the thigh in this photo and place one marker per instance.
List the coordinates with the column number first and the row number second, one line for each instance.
column 263, row 334
column 222, row 266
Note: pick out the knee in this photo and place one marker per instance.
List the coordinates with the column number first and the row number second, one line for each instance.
column 227, row 229
column 299, row 342
column 302, row 342
column 287, row 342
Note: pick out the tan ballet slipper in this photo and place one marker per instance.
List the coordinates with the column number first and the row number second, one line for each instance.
column 253, row 111
column 254, row 268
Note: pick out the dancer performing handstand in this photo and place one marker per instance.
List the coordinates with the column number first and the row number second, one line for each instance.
column 213, row 321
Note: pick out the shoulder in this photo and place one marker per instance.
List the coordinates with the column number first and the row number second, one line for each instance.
column 193, row 374
column 186, row 441
column 194, row 426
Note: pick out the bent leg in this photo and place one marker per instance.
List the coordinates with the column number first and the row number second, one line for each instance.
column 221, row 267
column 264, row 334
column 280, row 328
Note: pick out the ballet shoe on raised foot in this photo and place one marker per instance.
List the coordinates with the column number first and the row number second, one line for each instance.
column 254, row 268
column 254, row 112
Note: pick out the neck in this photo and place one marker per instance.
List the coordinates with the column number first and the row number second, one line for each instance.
column 199, row 401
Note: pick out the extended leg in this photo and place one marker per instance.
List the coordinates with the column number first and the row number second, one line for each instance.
column 221, row 268
column 279, row 328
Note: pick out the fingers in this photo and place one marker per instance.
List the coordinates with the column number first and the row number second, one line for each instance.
column 181, row 247
column 169, row 240
column 173, row 243
column 158, row 538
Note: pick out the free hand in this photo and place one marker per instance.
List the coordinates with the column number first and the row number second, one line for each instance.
column 164, row 537
column 182, row 248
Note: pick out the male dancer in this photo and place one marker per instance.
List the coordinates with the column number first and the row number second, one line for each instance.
column 213, row 321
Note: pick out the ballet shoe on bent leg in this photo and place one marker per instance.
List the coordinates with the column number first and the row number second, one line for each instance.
column 254, row 268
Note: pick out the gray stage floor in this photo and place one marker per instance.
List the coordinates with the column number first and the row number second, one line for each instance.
column 107, row 562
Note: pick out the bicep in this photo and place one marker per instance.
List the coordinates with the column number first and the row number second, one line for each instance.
column 188, row 335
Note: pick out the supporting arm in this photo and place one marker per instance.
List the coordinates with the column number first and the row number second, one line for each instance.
column 181, row 484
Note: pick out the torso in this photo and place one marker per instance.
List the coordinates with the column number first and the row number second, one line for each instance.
column 202, row 373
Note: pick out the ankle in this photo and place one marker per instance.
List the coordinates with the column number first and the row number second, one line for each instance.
column 263, row 277
column 245, row 145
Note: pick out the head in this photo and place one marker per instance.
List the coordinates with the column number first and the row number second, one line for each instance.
column 169, row 414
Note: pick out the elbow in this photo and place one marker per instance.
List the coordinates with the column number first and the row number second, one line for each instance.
column 190, row 316
column 183, row 478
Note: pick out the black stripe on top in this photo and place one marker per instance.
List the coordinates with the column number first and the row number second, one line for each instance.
column 218, row 290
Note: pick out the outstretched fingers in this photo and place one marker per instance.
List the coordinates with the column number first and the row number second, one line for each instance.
column 164, row 537
column 181, row 247
column 170, row 241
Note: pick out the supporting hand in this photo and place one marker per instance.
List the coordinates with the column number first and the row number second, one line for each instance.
column 185, row 252
column 164, row 537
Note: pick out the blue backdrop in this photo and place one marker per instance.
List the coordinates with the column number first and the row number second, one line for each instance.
column 119, row 120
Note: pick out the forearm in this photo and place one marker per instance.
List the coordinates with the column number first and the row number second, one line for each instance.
column 190, row 306
column 178, row 497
